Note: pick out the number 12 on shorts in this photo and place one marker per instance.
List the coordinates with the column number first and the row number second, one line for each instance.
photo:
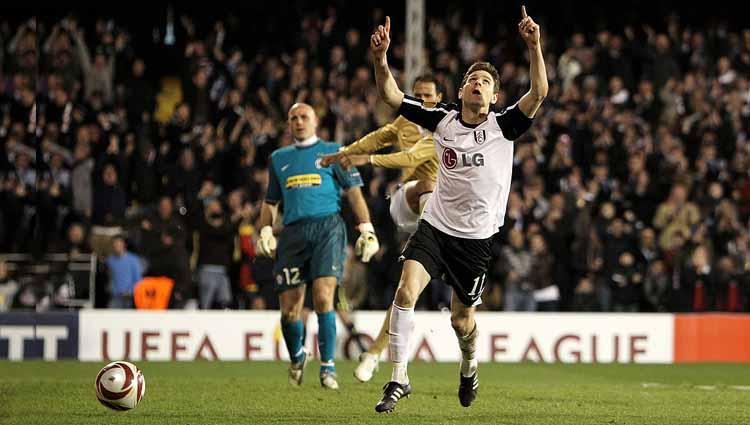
column 478, row 282
column 291, row 275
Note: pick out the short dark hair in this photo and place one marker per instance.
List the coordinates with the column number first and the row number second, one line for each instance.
column 427, row 78
column 483, row 66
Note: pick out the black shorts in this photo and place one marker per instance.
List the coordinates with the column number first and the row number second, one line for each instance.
column 464, row 262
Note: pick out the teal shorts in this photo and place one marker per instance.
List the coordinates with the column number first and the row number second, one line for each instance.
column 309, row 249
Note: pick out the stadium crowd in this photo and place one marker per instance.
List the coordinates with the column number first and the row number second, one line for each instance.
column 631, row 192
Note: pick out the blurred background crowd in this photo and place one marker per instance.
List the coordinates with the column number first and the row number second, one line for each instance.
column 148, row 145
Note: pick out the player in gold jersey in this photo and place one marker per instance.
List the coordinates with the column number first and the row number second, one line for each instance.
column 416, row 157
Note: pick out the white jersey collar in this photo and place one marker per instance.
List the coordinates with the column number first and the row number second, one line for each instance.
column 307, row 142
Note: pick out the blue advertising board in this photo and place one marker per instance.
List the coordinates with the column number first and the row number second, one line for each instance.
column 31, row 335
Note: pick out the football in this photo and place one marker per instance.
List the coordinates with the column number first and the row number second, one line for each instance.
column 120, row 386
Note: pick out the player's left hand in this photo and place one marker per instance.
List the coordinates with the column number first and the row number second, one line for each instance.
column 367, row 243
column 380, row 40
column 528, row 29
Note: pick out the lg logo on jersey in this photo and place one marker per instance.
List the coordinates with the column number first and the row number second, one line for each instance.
column 450, row 159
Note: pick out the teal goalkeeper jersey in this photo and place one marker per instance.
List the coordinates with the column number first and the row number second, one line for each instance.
column 306, row 189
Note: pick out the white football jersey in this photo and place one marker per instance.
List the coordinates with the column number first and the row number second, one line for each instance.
column 476, row 163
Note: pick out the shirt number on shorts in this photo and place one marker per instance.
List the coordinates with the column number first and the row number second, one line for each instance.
column 478, row 281
column 291, row 275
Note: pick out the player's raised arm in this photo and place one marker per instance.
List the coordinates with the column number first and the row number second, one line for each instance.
column 421, row 152
column 387, row 88
column 372, row 142
column 530, row 33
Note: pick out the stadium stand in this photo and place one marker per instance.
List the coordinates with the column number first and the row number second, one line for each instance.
column 631, row 192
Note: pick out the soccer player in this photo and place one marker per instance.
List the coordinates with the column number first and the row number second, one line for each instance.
column 311, row 247
column 416, row 157
column 475, row 149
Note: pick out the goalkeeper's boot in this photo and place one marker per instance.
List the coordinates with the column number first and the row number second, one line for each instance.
column 297, row 370
column 328, row 380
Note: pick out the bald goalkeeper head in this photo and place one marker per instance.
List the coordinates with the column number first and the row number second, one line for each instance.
column 302, row 121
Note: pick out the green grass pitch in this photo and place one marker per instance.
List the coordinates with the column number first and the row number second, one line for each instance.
column 258, row 393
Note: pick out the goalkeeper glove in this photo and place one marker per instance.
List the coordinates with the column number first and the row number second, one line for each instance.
column 266, row 244
column 367, row 243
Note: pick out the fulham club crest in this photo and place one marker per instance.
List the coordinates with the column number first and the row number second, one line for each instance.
column 480, row 136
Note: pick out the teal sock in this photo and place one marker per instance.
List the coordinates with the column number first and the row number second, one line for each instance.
column 327, row 340
column 294, row 334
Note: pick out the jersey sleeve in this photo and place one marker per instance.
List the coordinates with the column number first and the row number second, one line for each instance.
column 414, row 110
column 374, row 141
column 347, row 178
column 421, row 152
column 273, row 194
column 513, row 122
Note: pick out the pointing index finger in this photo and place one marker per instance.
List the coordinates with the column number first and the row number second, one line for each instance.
column 523, row 12
column 388, row 24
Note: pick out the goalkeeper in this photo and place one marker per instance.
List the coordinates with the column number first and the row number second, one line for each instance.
column 311, row 247
column 416, row 157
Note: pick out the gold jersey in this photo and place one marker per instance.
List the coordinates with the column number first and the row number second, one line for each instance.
column 416, row 150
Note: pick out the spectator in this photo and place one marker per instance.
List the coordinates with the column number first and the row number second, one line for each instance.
column 139, row 95
column 541, row 274
column 656, row 287
column 625, row 279
column 108, row 211
column 216, row 240
column 696, row 288
column 184, row 180
column 109, row 200
column 676, row 214
column 81, row 184
column 728, row 291
column 559, row 236
column 125, row 272
column 76, row 243
column 99, row 73
column 519, row 290
column 155, row 225
column 8, row 287
column 584, row 298
column 647, row 249
column 169, row 258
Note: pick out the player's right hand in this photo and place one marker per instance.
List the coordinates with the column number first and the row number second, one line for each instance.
column 266, row 244
column 380, row 40
column 349, row 161
column 346, row 161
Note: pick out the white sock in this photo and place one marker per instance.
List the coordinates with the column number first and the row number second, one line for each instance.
column 468, row 345
column 399, row 330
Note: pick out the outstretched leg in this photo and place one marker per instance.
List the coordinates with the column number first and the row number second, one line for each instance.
column 414, row 278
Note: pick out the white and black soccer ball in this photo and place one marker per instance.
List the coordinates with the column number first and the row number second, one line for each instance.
column 120, row 386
